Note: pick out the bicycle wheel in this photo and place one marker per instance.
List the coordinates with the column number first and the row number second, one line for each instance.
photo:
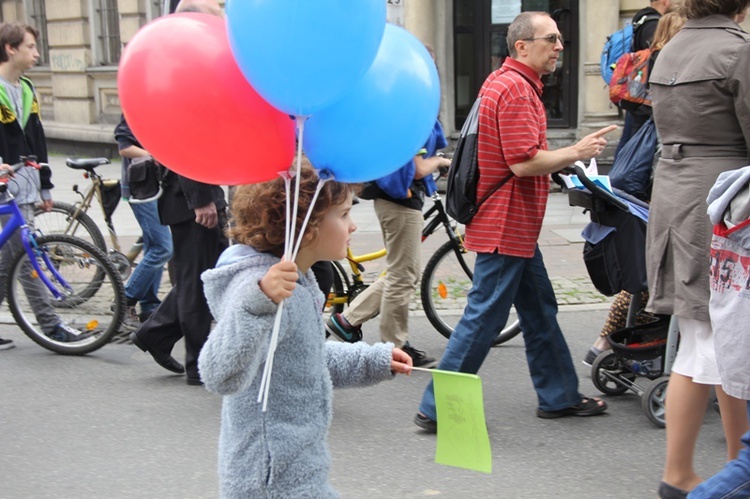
column 88, row 272
column 446, row 281
column 57, row 221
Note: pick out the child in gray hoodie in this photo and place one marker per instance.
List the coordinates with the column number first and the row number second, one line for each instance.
column 281, row 452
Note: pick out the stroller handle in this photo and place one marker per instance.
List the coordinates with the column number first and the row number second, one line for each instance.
column 599, row 191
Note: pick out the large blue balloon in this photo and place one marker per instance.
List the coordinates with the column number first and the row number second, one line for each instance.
column 303, row 55
column 384, row 120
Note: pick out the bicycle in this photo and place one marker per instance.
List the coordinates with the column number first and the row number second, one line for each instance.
column 446, row 279
column 87, row 292
column 65, row 218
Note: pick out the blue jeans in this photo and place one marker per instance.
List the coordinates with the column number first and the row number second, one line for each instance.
column 499, row 282
column 144, row 282
column 732, row 481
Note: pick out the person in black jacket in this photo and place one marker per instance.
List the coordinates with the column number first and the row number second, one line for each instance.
column 196, row 213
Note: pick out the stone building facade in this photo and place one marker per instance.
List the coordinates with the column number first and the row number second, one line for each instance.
column 81, row 41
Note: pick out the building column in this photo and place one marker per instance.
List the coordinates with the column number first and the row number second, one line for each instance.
column 70, row 56
column 432, row 23
column 598, row 20
column 12, row 9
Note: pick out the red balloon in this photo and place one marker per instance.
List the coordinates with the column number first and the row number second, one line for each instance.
column 189, row 105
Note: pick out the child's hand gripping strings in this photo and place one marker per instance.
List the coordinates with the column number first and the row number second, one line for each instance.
column 280, row 281
column 400, row 362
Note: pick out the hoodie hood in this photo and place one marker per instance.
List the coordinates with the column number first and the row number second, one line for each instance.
column 235, row 253
column 729, row 205
column 728, row 198
column 238, row 273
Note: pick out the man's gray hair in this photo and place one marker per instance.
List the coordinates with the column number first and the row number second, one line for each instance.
column 521, row 27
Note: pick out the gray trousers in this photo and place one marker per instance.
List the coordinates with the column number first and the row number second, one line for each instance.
column 392, row 292
column 36, row 292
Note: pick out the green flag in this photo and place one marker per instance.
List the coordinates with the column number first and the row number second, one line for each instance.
column 462, row 439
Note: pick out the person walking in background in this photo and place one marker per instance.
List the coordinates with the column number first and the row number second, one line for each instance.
column 644, row 23
column 509, row 270
column 705, row 67
column 729, row 211
column 399, row 198
column 282, row 451
column 21, row 134
column 144, row 282
column 669, row 25
column 195, row 213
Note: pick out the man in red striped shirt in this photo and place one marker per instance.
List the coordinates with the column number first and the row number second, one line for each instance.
column 509, row 269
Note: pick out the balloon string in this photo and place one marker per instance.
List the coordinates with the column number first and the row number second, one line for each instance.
column 287, row 221
column 265, row 381
column 290, row 230
column 318, row 188
column 295, row 206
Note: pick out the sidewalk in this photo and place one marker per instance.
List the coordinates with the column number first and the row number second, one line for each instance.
column 560, row 242
column 560, row 239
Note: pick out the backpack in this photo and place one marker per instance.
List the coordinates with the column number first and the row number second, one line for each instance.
column 633, row 166
column 145, row 180
column 629, row 85
column 463, row 175
column 618, row 43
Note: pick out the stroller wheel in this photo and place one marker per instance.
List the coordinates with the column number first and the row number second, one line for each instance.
column 653, row 399
column 604, row 373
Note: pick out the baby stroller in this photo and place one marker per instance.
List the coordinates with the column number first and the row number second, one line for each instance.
column 642, row 355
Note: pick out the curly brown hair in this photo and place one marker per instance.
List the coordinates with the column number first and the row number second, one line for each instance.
column 259, row 210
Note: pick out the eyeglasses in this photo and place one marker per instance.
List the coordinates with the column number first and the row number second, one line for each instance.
column 551, row 39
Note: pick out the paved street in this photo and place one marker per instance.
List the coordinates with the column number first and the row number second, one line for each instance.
column 114, row 424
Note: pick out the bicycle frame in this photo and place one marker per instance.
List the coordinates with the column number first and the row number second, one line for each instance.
column 95, row 189
column 16, row 222
column 434, row 217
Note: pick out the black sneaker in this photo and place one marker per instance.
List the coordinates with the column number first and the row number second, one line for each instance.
column 66, row 334
column 590, row 357
column 338, row 326
column 419, row 358
column 6, row 344
column 425, row 423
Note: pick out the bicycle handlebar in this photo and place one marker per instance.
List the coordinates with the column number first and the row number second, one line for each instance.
column 29, row 161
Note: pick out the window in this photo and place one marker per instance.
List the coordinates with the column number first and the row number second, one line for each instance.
column 108, row 35
column 155, row 9
column 479, row 32
column 37, row 17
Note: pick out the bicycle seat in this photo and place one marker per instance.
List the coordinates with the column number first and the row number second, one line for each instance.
column 86, row 163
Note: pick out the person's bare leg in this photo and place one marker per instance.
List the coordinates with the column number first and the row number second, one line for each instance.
column 685, row 409
column 602, row 344
column 734, row 420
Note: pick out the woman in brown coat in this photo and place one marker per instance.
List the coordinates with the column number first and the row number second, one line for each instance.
column 701, row 98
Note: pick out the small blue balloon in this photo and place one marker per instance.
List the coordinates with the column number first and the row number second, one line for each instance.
column 384, row 120
column 303, row 55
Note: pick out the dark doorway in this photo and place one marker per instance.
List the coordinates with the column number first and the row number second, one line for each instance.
column 479, row 31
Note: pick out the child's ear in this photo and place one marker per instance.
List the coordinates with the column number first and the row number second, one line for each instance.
column 310, row 237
